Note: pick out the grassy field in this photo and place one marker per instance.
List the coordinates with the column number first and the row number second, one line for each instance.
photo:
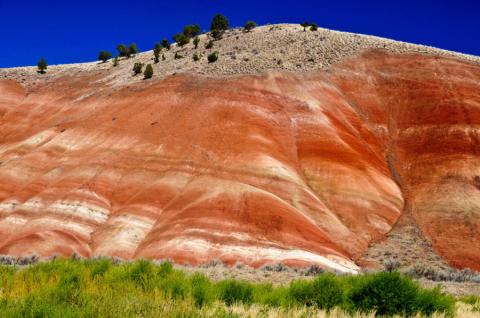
column 99, row 288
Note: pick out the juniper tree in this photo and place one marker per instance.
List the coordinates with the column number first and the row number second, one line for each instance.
column 165, row 44
column 181, row 39
column 191, row 30
column 156, row 53
column 213, row 57
column 305, row 25
column 313, row 27
column 217, row 34
column 148, row 73
column 219, row 22
column 196, row 40
column 137, row 68
column 250, row 25
column 209, row 44
column 132, row 50
column 42, row 65
column 104, row 56
column 122, row 50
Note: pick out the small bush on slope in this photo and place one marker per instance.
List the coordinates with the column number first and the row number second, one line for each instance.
column 148, row 73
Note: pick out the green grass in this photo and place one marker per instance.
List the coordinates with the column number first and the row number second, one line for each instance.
column 98, row 288
column 472, row 300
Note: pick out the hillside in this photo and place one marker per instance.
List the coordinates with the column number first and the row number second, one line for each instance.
column 308, row 160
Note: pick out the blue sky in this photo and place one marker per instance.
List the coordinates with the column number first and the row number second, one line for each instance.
column 74, row 31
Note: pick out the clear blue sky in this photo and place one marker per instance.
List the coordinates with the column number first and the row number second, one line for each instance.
column 67, row 31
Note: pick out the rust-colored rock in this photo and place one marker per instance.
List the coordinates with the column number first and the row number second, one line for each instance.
column 299, row 168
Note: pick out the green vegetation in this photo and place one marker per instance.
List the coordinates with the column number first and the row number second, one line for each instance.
column 181, row 39
column 148, row 73
column 472, row 300
column 191, row 30
column 104, row 56
column 209, row 44
column 313, row 27
column 127, row 52
column 156, row 53
column 305, row 25
column 250, row 25
column 122, row 50
column 218, row 26
column 219, row 22
column 178, row 56
column 196, row 57
column 102, row 288
column 213, row 57
column 132, row 50
column 216, row 34
column 165, row 44
column 42, row 65
column 196, row 41
column 137, row 68
column 115, row 60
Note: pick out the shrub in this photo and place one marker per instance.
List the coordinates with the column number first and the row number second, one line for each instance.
column 137, row 68
column 42, row 65
column 132, row 50
column 181, row 39
column 163, row 57
column 386, row 293
column 196, row 41
column 391, row 265
column 328, row 292
column 232, row 291
column 191, row 30
column 301, row 292
column 143, row 273
column 165, row 269
column 217, row 34
column 196, row 57
column 313, row 27
column 209, row 44
column 122, row 50
column 219, row 22
column 305, row 25
column 178, row 56
column 104, row 56
column 175, row 285
column 430, row 301
column 165, row 44
column 213, row 57
column 156, row 52
column 148, row 73
column 391, row 294
column 201, row 290
column 250, row 25
column 313, row 270
column 268, row 295
column 115, row 61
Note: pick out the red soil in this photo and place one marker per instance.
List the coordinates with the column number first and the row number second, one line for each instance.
column 280, row 167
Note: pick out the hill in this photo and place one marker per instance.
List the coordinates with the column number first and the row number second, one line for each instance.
column 295, row 147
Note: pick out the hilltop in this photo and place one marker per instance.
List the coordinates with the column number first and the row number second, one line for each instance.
column 279, row 47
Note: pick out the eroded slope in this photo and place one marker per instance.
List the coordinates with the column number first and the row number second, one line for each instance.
column 278, row 167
